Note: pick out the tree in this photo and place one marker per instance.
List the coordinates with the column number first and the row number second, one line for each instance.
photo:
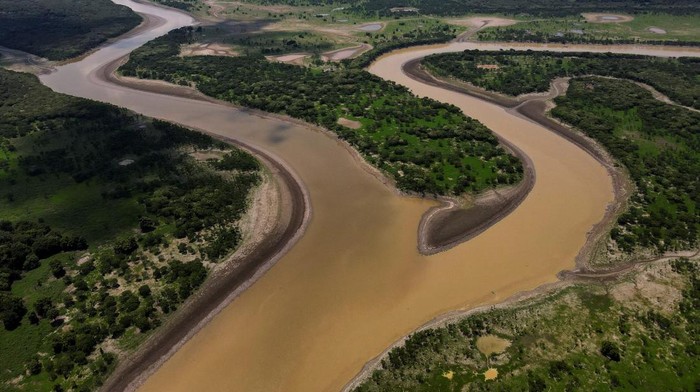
column 610, row 350
column 147, row 224
column 42, row 306
column 12, row 310
column 126, row 246
column 56, row 267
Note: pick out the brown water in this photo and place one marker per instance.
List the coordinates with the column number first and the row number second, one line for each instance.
column 355, row 282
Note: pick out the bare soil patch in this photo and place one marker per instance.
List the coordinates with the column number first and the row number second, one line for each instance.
column 491, row 374
column 295, row 58
column 491, row 344
column 482, row 22
column 346, row 53
column 207, row 49
column 607, row 18
column 352, row 124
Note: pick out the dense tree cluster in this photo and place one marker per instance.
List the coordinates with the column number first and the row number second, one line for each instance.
column 660, row 146
column 63, row 300
column 60, row 29
column 429, row 33
column 185, row 5
column 658, row 143
column 522, row 34
column 520, row 72
column 427, row 146
column 534, row 7
column 574, row 340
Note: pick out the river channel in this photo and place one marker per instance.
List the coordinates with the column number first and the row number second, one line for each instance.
column 355, row 282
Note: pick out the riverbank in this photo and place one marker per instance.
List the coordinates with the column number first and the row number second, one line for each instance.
column 274, row 233
column 355, row 282
column 534, row 107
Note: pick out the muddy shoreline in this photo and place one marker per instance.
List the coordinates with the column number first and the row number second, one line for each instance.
column 224, row 285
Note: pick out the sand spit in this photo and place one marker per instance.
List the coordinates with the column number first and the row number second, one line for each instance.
column 19, row 61
column 346, row 53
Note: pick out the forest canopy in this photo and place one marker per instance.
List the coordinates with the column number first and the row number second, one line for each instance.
column 61, row 29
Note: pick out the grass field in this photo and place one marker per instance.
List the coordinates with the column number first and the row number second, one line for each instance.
column 673, row 28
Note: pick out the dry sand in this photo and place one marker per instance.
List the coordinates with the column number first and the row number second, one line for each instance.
column 207, row 49
column 352, row 124
column 346, row 53
column 295, row 58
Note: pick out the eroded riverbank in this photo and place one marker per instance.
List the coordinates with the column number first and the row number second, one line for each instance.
column 355, row 282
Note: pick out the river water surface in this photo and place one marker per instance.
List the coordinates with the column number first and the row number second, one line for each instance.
column 355, row 282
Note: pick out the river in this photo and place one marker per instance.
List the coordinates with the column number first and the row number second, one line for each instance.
column 355, row 282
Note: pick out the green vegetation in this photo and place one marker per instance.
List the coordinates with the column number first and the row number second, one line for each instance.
column 674, row 30
column 588, row 337
column 61, row 29
column 521, row 72
column 428, row 147
column 658, row 143
column 107, row 224
column 404, row 33
column 282, row 42
column 660, row 146
column 535, row 7
column 185, row 5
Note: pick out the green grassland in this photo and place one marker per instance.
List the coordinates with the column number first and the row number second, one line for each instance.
column 680, row 29
column 426, row 146
column 658, row 143
column 61, row 29
column 107, row 224
column 593, row 337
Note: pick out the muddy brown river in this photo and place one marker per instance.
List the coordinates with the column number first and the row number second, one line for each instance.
column 355, row 282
